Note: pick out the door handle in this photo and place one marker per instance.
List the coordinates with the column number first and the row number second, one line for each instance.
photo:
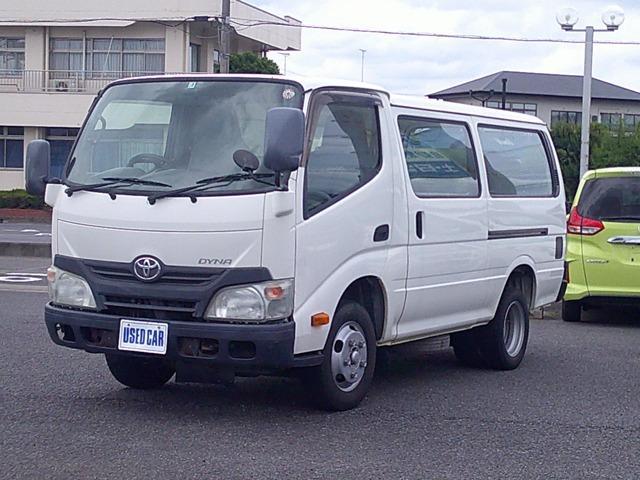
column 419, row 221
column 381, row 233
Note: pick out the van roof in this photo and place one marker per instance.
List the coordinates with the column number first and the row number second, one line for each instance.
column 406, row 101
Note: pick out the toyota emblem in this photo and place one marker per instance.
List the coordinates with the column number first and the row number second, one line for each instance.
column 147, row 268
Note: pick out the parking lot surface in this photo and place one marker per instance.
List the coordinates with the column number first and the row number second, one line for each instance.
column 570, row 411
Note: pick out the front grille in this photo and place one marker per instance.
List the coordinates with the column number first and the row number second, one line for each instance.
column 160, row 309
column 170, row 275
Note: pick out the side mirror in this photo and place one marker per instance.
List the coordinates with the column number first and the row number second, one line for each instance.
column 284, row 139
column 37, row 167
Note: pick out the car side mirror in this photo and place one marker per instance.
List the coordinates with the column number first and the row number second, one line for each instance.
column 37, row 167
column 284, row 139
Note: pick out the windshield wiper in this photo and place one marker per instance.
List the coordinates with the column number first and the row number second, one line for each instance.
column 110, row 181
column 206, row 183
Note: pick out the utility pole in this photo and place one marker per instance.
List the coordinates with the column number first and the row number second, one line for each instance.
column 362, row 64
column 225, row 36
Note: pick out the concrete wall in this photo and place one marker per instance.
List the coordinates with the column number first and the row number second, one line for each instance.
column 546, row 105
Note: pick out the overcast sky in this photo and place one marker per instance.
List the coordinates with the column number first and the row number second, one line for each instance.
column 424, row 65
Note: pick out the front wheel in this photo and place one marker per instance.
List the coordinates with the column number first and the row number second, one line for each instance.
column 343, row 379
column 139, row 372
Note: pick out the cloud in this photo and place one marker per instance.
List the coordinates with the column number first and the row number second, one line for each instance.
column 423, row 65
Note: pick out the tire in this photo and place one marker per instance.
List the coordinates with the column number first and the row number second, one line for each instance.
column 351, row 337
column 503, row 342
column 465, row 347
column 139, row 372
column 571, row 311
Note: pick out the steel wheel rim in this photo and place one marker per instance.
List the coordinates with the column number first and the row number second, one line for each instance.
column 348, row 356
column 514, row 328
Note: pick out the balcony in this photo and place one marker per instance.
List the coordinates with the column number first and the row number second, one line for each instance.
column 61, row 81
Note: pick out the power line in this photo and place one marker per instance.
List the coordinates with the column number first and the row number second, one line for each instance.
column 423, row 34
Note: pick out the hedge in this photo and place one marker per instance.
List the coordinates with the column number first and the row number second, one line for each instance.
column 19, row 199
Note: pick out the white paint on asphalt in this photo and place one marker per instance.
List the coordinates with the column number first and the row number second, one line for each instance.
column 18, row 279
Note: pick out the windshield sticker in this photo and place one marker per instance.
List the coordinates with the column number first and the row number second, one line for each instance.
column 288, row 93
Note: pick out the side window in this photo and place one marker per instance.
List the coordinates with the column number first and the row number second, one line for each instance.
column 344, row 150
column 517, row 162
column 440, row 158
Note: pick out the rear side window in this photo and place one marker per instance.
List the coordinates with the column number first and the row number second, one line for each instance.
column 344, row 150
column 517, row 161
column 440, row 158
column 612, row 199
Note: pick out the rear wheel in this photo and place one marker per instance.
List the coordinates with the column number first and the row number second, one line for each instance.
column 344, row 377
column 503, row 342
column 571, row 310
column 139, row 372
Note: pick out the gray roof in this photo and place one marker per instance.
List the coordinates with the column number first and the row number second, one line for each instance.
column 545, row 84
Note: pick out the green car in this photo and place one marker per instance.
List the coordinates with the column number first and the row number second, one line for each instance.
column 603, row 242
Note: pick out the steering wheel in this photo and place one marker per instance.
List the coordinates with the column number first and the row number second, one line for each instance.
column 156, row 160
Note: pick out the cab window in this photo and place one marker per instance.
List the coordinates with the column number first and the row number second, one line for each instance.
column 343, row 151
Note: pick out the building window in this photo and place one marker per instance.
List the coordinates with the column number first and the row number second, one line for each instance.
column 631, row 122
column 11, row 147
column 611, row 120
column 61, row 141
column 107, row 57
column 528, row 108
column 194, row 53
column 216, row 61
column 573, row 118
column 11, row 55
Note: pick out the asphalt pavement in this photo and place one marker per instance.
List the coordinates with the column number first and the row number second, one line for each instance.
column 572, row 410
column 25, row 233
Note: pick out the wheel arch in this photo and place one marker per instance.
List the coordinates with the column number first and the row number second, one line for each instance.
column 369, row 292
column 523, row 276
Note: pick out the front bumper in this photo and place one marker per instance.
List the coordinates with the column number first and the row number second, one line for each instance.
column 241, row 349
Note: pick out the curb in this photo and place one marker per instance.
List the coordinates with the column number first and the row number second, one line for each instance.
column 8, row 249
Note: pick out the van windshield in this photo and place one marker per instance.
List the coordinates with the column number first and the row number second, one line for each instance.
column 615, row 199
column 171, row 134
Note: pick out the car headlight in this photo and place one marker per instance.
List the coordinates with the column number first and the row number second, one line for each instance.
column 69, row 289
column 258, row 302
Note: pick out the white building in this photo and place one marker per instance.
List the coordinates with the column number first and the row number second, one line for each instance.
column 55, row 56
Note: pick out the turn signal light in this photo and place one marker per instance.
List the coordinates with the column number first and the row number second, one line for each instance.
column 319, row 319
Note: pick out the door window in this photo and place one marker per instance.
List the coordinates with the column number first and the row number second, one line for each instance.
column 517, row 163
column 614, row 199
column 440, row 158
column 344, row 150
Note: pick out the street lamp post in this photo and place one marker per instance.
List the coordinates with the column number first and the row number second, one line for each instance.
column 285, row 55
column 612, row 17
column 363, row 51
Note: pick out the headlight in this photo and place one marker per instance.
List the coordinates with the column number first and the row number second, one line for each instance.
column 255, row 303
column 68, row 289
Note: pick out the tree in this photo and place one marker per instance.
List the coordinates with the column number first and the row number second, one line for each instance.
column 249, row 62
column 609, row 147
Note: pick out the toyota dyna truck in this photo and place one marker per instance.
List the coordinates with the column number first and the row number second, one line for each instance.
column 215, row 226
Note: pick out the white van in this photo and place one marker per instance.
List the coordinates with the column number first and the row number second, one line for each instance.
column 212, row 226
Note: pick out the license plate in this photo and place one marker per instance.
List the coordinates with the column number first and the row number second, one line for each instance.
column 145, row 337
